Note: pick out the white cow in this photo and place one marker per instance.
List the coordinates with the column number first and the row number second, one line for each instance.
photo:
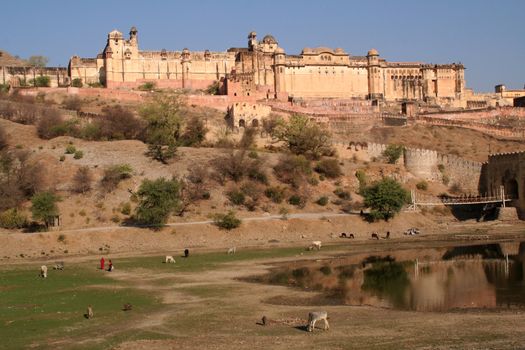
column 317, row 316
column 316, row 245
column 232, row 250
column 43, row 271
column 169, row 259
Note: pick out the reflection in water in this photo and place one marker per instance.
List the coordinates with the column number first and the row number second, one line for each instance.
column 476, row 279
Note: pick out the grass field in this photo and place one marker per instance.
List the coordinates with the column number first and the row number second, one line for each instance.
column 38, row 313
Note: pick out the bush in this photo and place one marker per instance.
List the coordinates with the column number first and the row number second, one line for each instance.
column 78, row 154
column 236, row 166
column 73, row 103
column 455, row 188
column 41, row 81
column 441, row 168
column 293, row 170
column 70, row 149
column 341, row 193
column 194, row 132
column 392, row 153
column 275, row 194
column 385, row 198
column 329, row 168
column 119, row 123
column 82, row 180
column 445, row 179
column 248, row 138
column 227, row 221
column 114, row 175
column 297, row 200
column 12, row 219
column 3, row 139
column 361, row 177
column 77, row 82
column 236, row 197
column 62, row 158
column 158, row 199
column 422, row 185
column 147, row 86
column 213, row 88
column 126, row 208
column 322, row 201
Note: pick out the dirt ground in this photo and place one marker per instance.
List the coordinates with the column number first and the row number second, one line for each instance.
column 215, row 310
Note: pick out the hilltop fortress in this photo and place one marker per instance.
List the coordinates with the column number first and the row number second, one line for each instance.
column 264, row 70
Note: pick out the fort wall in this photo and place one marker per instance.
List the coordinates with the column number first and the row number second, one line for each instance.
column 23, row 76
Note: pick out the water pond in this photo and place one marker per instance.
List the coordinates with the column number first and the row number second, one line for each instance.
column 442, row 279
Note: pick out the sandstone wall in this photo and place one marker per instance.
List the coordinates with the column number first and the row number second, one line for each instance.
column 16, row 76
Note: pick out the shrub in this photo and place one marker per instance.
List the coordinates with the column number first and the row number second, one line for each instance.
column 455, row 188
column 297, row 200
column 248, row 138
column 70, row 149
column 73, row 103
column 385, row 198
column 194, row 132
column 341, row 193
column 61, row 238
column 326, row 270
column 322, row 201
column 227, row 221
column 392, row 153
column 114, row 175
column 158, row 199
column 236, row 197
column 445, row 179
column 147, row 86
column 82, row 180
column 62, row 158
column 329, row 167
column 275, row 194
column 126, row 208
column 213, row 88
column 441, row 168
column 41, row 81
column 78, row 154
column 293, row 170
column 77, row 82
column 95, row 85
column 3, row 139
column 119, row 123
column 422, row 185
column 236, row 166
column 253, row 154
column 12, row 219
column 361, row 177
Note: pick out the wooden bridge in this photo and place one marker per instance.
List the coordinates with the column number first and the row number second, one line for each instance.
column 418, row 199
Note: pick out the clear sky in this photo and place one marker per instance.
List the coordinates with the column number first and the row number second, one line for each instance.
column 487, row 36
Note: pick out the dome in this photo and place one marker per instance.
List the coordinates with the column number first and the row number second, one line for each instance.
column 115, row 33
column 133, row 30
column 279, row 50
column 373, row 52
column 339, row 50
column 252, row 35
column 269, row 39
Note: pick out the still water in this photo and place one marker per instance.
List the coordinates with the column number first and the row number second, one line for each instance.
column 481, row 276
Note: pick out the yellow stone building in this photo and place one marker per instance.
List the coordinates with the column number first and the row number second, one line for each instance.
column 264, row 70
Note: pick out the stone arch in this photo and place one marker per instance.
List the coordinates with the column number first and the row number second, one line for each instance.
column 255, row 123
column 242, row 123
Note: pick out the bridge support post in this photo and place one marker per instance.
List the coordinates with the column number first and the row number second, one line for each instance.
column 502, row 192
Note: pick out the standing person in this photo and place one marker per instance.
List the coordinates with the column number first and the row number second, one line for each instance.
column 110, row 266
column 102, row 262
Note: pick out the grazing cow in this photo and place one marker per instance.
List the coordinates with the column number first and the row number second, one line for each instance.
column 315, row 316
column 169, row 259
column 375, row 235
column 127, row 307
column 59, row 266
column 232, row 250
column 43, row 271
column 351, row 235
column 343, row 235
column 186, row 253
column 316, row 245
column 89, row 312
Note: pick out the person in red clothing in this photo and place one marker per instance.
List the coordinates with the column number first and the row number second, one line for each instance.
column 102, row 261
column 110, row 266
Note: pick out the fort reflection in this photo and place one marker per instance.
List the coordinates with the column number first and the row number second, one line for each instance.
column 482, row 276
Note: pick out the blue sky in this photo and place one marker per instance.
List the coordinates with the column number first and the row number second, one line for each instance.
column 487, row 36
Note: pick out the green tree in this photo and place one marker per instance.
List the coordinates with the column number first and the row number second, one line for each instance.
column 163, row 116
column 37, row 61
column 392, row 153
column 44, row 207
column 158, row 199
column 303, row 136
column 385, row 198
column 194, row 132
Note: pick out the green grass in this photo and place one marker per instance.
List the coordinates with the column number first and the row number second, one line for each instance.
column 34, row 310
